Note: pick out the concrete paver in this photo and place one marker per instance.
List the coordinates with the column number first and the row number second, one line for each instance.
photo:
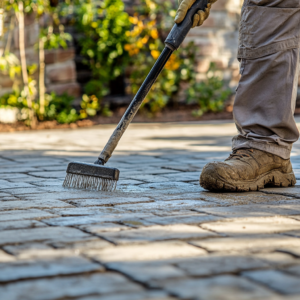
column 158, row 236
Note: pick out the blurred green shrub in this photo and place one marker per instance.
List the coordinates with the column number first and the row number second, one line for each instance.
column 103, row 26
column 151, row 23
column 57, row 107
column 210, row 94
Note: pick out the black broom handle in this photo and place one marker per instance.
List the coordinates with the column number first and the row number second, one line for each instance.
column 173, row 41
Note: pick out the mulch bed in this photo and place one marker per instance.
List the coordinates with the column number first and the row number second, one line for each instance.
column 181, row 114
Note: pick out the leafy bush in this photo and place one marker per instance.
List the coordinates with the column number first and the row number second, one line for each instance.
column 210, row 94
column 57, row 107
column 103, row 26
column 152, row 22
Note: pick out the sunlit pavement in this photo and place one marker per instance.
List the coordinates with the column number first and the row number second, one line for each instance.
column 159, row 236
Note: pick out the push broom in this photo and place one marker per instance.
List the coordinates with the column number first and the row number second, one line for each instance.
column 97, row 177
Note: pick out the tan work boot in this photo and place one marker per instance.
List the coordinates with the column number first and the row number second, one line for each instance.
column 247, row 170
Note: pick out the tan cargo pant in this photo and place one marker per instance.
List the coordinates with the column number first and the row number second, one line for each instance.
column 266, row 95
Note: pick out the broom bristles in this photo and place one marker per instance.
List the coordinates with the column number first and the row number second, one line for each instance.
column 89, row 183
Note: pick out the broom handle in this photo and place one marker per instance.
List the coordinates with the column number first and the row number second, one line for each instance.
column 173, row 41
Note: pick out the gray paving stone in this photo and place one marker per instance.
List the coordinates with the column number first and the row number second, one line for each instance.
column 216, row 288
column 20, row 224
column 27, row 214
column 147, row 272
column 49, row 234
column 246, row 211
column 290, row 249
column 49, row 174
column 68, row 287
column 27, row 248
column 248, row 243
column 46, row 183
column 295, row 233
column 102, row 227
column 92, row 243
column 157, row 295
column 4, row 184
column 5, row 257
column 21, row 192
column 183, row 176
column 276, row 259
column 145, row 178
column 17, row 169
column 46, row 268
column 163, row 188
column 9, row 205
column 146, row 252
column 197, row 218
column 276, row 280
column 157, row 233
column 85, row 211
column 109, row 201
column 296, row 217
column 93, row 219
column 4, row 195
column 253, row 225
column 218, row 264
column 165, row 206
column 294, row 270
column 291, row 191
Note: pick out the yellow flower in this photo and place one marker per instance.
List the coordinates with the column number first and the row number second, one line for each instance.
column 145, row 39
column 155, row 54
column 154, row 34
column 133, row 20
column 127, row 47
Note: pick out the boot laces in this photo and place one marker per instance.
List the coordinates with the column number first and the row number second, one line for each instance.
column 240, row 154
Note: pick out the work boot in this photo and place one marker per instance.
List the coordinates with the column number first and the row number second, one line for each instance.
column 247, row 170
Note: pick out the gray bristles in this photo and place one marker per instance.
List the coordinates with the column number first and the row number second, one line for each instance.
column 89, row 183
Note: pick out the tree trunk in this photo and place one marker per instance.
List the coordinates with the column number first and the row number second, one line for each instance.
column 29, row 99
column 42, row 78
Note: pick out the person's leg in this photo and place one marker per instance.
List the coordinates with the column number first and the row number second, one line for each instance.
column 265, row 100
column 269, row 53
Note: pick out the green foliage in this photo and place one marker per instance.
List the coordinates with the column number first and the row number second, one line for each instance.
column 10, row 65
column 55, row 40
column 103, row 25
column 210, row 94
column 152, row 21
column 89, row 106
column 59, row 108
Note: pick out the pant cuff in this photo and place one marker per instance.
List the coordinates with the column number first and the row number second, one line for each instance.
column 239, row 142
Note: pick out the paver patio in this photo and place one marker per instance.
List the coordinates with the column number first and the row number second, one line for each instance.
column 159, row 236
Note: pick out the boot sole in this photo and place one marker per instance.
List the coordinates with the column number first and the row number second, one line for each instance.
column 273, row 178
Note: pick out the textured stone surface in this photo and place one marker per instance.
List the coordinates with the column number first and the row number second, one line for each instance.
column 218, row 264
column 218, row 287
column 64, row 287
column 277, row 280
column 248, row 243
column 147, row 272
column 41, row 234
column 158, row 234
column 27, row 214
column 153, row 251
column 50, row 267
column 254, row 226
column 20, row 224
